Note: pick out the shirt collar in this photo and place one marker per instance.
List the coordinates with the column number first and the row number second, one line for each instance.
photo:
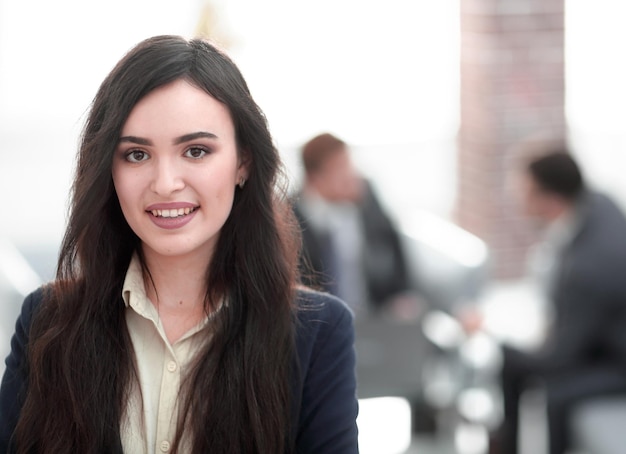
column 134, row 295
column 134, row 290
column 563, row 230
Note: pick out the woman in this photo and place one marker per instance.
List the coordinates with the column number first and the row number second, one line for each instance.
column 175, row 323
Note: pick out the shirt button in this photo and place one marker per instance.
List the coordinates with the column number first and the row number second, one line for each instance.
column 171, row 366
column 165, row 446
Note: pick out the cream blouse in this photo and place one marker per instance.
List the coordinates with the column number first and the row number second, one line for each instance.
column 150, row 423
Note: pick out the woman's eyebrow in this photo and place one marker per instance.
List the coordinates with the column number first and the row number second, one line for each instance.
column 194, row 136
column 177, row 141
column 136, row 140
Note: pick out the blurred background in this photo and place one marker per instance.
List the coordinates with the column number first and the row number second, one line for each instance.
column 432, row 97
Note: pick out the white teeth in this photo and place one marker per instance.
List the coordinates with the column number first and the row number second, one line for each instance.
column 172, row 213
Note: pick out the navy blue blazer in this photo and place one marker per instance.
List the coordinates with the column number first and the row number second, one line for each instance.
column 325, row 403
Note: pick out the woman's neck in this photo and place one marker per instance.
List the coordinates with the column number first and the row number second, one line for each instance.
column 177, row 288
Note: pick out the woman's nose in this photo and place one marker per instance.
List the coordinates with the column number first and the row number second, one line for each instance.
column 167, row 178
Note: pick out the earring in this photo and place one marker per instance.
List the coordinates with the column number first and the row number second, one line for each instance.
column 242, row 182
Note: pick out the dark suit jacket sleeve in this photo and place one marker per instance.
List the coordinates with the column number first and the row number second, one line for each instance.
column 584, row 311
column 327, row 386
column 14, row 381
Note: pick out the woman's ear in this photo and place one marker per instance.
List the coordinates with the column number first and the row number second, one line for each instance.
column 243, row 169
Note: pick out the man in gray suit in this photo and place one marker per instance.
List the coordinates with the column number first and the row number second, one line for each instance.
column 584, row 270
column 351, row 245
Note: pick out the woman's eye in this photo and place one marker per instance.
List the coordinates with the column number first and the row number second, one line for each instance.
column 136, row 156
column 195, row 153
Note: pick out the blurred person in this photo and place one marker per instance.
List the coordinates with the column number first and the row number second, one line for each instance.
column 351, row 247
column 176, row 322
column 580, row 264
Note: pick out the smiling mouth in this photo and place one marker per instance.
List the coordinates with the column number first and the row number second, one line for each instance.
column 175, row 213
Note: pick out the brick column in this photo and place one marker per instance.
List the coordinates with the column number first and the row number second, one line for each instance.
column 512, row 87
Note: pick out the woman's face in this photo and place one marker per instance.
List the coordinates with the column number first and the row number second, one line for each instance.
column 175, row 170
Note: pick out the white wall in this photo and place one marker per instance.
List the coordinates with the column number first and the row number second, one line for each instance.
column 596, row 92
column 381, row 74
column 375, row 73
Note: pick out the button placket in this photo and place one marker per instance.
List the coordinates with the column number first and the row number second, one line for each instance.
column 170, row 383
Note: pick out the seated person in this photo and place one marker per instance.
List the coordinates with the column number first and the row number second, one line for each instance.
column 583, row 262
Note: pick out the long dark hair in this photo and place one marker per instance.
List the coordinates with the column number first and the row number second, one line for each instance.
column 236, row 398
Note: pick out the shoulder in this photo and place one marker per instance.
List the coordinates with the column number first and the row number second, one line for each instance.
column 603, row 214
column 31, row 304
column 319, row 311
column 322, row 320
column 594, row 261
column 602, row 238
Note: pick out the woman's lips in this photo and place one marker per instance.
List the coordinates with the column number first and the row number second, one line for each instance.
column 172, row 213
column 172, row 218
